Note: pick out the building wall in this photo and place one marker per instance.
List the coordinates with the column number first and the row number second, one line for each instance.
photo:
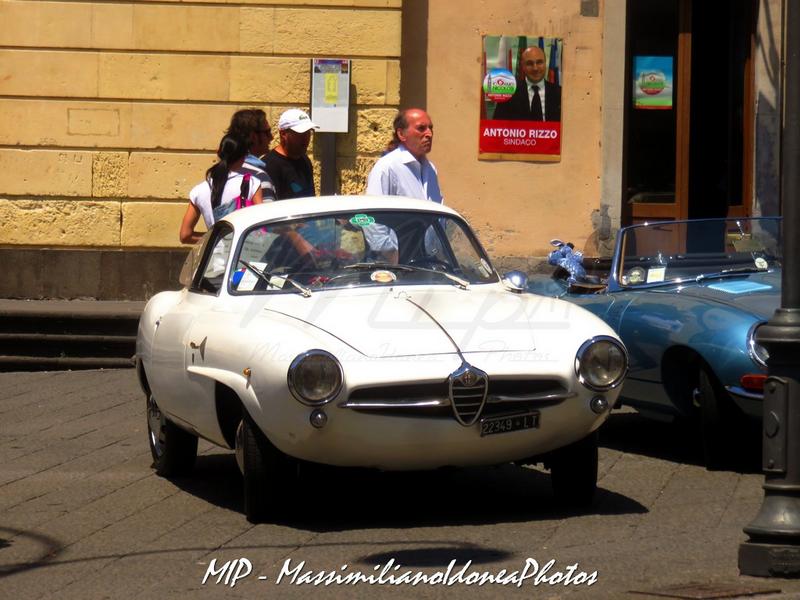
column 111, row 111
column 517, row 207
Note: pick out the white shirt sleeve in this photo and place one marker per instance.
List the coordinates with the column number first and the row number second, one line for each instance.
column 378, row 181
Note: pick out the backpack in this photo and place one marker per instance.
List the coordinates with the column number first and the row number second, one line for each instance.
column 241, row 201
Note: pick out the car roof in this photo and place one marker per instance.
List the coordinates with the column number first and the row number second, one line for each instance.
column 300, row 207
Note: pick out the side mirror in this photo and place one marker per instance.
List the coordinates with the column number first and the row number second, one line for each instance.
column 516, row 281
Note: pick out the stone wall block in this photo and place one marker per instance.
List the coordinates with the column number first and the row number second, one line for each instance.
column 178, row 126
column 113, row 124
column 369, row 81
column 45, row 172
column 59, row 222
column 193, row 28
column 45, row 24
column 153, row 224
column 370, row 132
column 64, row 123
column 353, row 173
column 163, row 76
column 112, row 26
column 266, row 79
column 338, row 32
column 110, row 175
column 45, row 73
column 257, row 30
column 393, row 82
column 166, row 175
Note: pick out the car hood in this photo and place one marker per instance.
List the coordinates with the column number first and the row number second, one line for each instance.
column 406, row 322
column 758, row 294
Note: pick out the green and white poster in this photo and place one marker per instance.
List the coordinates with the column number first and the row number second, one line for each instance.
column 652, row 82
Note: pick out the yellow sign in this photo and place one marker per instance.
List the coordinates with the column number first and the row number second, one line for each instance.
column 331, row 88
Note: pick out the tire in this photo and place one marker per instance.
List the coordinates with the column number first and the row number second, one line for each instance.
column 174, row 450
column 720, row 423
column 267, row 473
column 573, row 473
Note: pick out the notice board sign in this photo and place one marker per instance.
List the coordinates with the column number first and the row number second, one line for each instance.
column 330, row 94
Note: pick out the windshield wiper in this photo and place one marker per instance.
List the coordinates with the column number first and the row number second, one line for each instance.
column 267, row 278
column 731, row 271
column 462, row 283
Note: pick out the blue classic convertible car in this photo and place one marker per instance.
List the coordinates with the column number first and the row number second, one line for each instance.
column 687, row 297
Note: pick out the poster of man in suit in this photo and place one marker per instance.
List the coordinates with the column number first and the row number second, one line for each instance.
column 521, row 98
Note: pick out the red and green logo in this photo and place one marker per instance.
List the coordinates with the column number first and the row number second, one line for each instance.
column 652, row 83
column 499, row 85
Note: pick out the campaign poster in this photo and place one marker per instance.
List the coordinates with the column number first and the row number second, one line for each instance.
column 520, row 116
column 652, row 82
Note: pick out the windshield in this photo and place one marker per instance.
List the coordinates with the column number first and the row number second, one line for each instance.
column 677, row 251
column 359, row 249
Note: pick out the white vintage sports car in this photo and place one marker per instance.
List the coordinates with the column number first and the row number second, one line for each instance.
column 371, row 332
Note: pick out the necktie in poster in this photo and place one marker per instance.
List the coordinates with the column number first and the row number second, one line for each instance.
column 521, row 98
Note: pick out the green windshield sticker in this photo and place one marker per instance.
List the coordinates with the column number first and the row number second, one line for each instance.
column 361, row 220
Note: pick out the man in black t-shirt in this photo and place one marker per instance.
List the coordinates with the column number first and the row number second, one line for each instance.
column 288, row 164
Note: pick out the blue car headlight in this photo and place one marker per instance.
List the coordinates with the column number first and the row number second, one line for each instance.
column 757, row 352
column 601, row 363
column 315, row 377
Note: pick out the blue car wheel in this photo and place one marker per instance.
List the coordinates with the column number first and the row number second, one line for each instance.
column 720, row 422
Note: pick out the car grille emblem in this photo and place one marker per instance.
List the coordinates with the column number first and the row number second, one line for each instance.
column 468, row 387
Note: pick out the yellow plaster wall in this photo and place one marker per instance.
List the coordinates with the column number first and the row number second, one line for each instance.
column 517, row 207
column 111, row 111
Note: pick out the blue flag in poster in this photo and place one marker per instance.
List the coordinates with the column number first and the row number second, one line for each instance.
column 552, row 70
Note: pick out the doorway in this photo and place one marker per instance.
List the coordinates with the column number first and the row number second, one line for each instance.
column 688, row 141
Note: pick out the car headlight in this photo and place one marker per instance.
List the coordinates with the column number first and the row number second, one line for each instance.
column 315, row 377
column 757, row 352
column 601, row 363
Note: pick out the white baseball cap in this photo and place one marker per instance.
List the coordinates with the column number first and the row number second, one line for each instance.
column 296, row 120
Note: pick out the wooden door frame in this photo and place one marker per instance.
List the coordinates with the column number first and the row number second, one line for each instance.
column 679, row 209
column 683, row 88
column 748, row 122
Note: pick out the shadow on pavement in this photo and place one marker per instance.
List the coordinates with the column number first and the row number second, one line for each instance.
column 48, row 549
column 438, row 556
column 333, row 499
column 677, row 442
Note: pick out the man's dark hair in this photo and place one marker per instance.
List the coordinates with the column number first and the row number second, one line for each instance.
column 400, row 122
column 246, row 122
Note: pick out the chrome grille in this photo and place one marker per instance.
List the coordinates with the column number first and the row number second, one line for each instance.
column 468, row 387
column 432, row 400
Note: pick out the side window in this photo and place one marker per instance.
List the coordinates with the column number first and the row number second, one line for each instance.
column 211, row 272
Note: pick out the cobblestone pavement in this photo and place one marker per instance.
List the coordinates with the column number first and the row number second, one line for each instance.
column 83, row 516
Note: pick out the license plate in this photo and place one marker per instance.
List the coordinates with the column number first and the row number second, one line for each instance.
column 492, row 425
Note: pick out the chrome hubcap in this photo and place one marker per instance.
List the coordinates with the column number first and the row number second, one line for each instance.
column 239, row 450
column 155, row 426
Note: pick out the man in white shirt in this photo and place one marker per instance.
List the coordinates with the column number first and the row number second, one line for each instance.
column 403, row 171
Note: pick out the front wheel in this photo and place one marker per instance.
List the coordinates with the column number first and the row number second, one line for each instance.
column 573, row 472
column 174, row 450
column 265, row 470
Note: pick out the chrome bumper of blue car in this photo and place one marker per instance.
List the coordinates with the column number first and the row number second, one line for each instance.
column 742, row 393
